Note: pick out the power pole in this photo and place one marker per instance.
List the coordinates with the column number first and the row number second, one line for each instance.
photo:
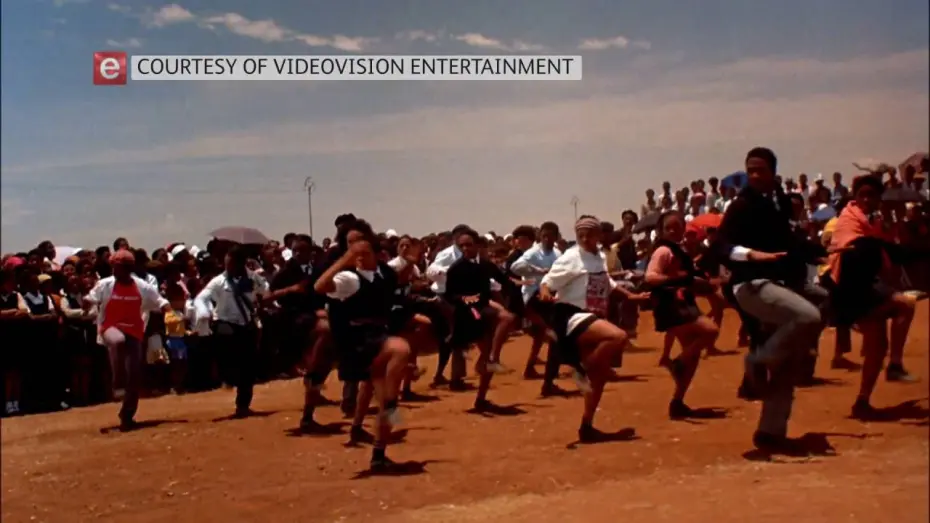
column 575, row 206
column 309, row 186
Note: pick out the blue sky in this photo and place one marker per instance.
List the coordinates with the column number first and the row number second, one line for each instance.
column 672, row 90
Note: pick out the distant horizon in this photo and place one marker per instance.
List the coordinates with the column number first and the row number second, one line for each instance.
column 671, row 91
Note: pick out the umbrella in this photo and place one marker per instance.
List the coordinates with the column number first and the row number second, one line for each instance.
column 737, row 179
column 823, row 215
column 62, row 253
column 916, row 160
column 243, row 235
column 648, row 222
column 902, row 194
column 707, row 221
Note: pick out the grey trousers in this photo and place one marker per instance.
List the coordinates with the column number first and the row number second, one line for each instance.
column 795, row 323
column 127, row 360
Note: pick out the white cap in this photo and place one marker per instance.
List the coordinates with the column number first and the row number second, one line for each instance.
column 508, row 236
column 819, row 177
column 177, row 249
column 194, row 250
column 391, row 233
column 490, row 237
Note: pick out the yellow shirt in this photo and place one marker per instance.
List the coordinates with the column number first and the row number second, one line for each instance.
column 175, row 324
column 825, row 239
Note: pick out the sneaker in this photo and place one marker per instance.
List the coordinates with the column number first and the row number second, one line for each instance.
column 896, row 372
column 496, row 368
column 9, row 408
column 915, row 295
column 242, row 413
column 16, row 409
column 769, row 442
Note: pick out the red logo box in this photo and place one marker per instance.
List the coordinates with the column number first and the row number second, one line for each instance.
column 110, row 68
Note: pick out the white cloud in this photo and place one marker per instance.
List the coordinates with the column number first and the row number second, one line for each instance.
column 61, row 3
column 616, row 42
column 351, row 44
column 479, row 40
column 119, row 8
column 131, row 43
column 419, row 35
column 264, row 30
column 485, row 42
column 171, row 14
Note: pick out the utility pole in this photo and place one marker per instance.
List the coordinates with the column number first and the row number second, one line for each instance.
column 575, row 206
column 309, row 186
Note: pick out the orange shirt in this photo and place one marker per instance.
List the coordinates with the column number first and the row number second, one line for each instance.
column 124, row 311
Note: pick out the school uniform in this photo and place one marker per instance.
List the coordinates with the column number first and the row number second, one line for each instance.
column 359, row 317
column 582, row 286
column 673, row 302
column 235, row 328
column 471, row 277
column 14, row 334
column 298, row 315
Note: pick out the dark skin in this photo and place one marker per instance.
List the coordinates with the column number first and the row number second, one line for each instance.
column 301, row 252
column 9, row 288
column 762, row 178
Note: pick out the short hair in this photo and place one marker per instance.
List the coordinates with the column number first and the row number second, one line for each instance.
column 765, row 154
column 629, row 212
column 525, row 231
column 861, row 181
column 344, row 219
column 713, row 180
column 289, row 237
column 459, row 229
column 238, row 254
column 549, row 226
column 468, row 231
column 302, row 238
column 118, row 241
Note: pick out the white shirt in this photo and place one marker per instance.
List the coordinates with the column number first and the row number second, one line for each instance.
column 437, row 270
column 398, row 263
column 100, row 296
column 225, row 308
column 580, row 278
column 348, row 283
column 531, row 264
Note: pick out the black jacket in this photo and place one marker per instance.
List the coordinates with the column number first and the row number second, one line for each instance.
column 470, row 278
column 753, row 221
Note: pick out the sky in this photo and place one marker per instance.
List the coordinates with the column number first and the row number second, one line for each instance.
column 672, row 90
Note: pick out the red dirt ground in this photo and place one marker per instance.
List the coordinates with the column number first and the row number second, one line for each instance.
column 60, row 468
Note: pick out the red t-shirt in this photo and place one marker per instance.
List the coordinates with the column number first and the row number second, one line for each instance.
column 124, row 311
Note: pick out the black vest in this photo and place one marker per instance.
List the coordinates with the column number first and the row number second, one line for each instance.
column 38, row 308
column 9, row 302
column 370, row 305
column 667, row 293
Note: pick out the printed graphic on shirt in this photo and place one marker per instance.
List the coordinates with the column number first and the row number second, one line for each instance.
column 597, row 292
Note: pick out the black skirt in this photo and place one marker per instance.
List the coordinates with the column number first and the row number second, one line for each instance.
column 674, row 308
column 357, row 347
column 567, row 342
column 852, row 303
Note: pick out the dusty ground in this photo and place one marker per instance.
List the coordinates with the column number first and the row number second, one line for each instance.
column 189, row 467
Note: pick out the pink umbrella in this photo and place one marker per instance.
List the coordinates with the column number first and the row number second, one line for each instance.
column 917, row 160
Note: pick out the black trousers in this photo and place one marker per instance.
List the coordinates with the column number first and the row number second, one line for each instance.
column 240, row 345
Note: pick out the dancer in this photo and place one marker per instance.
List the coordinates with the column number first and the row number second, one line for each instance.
column 533, row 266
column 362, row 291
column 405, row 318
column 305, row 310
column 121, row 300
column 436, row 272
column 859, row 255
column 235, row 294
column 768, row 266
column 671, row 275
column 580, row 285
column 477, row 317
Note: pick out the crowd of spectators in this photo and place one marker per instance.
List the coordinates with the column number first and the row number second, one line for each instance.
column 53, row 358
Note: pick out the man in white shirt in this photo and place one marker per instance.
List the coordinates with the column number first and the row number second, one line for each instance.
column 121, row 301
column 234, row 295
column 436, row 272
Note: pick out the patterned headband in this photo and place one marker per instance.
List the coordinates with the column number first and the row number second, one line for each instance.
column 587, row 222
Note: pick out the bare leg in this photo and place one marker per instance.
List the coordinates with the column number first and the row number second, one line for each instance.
column 874, row 347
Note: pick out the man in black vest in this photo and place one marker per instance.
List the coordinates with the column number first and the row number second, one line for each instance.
column 768, row 265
